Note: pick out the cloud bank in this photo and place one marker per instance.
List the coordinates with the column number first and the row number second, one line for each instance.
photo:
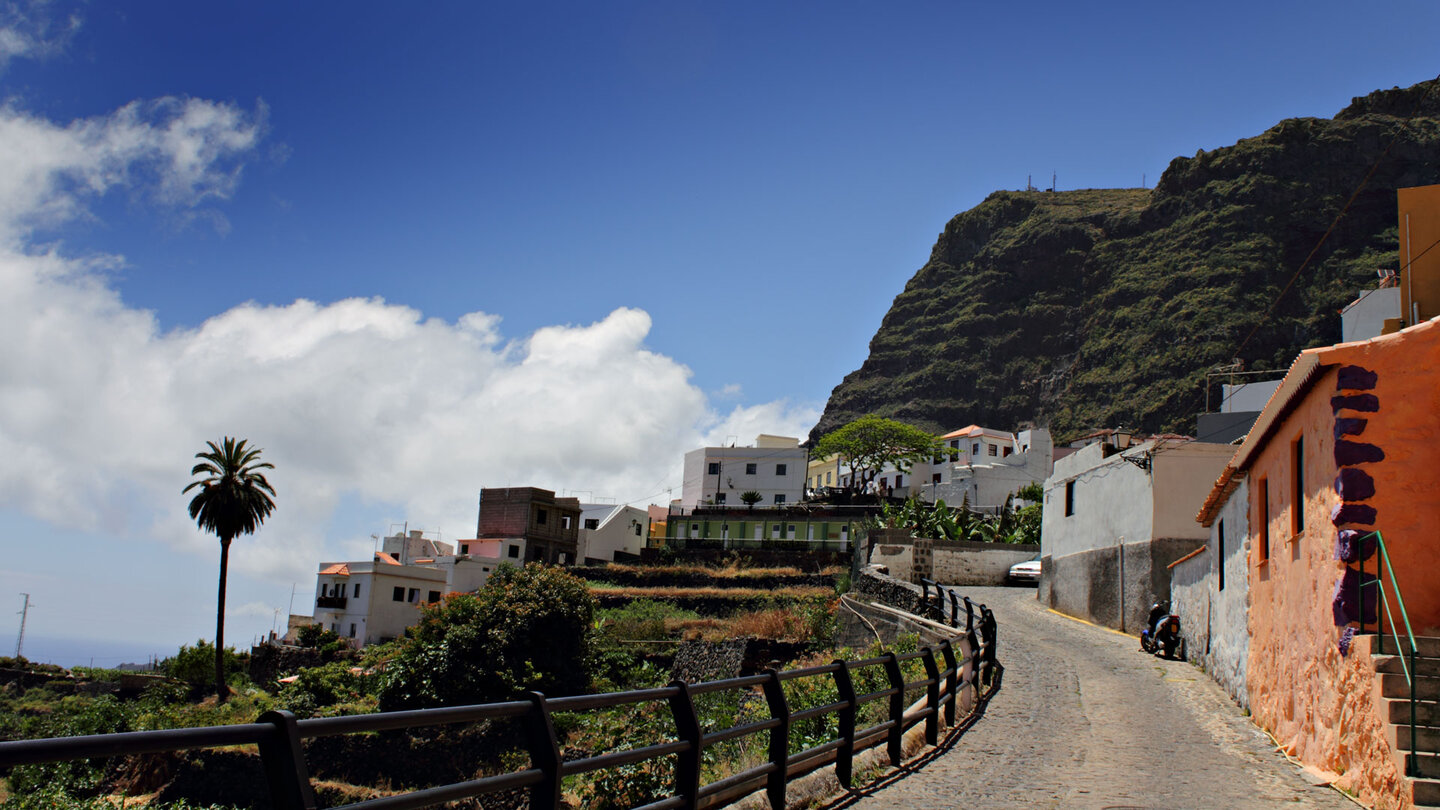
column 357, row 400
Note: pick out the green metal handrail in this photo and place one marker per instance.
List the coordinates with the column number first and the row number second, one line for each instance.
column 1408, row 668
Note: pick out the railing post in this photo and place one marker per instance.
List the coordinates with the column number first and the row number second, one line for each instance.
column 544, row 753
column 284, row 761
column 969, row 615
column 932, row 698
column 897, row 708
column 845, row 754
column 1360, row 598
column 954, row 610
column 1380, row 596
column 779, row 739
column 1412, row 762
column 687, row 728
column 952, row 678
column 987, row 627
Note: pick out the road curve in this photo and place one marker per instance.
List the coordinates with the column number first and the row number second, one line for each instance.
column 1085, row 720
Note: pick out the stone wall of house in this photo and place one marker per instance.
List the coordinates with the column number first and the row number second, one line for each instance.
column 1211, row 592
column 269, row 662
column 972, row 563
column 897, row 559
column 1113, row 586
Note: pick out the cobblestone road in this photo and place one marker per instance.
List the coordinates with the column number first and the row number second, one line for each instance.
column 1083, row 719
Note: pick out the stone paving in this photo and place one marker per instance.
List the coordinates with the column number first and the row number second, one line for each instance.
column 1085, row 720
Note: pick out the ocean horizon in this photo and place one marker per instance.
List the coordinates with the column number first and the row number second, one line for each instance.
column 72, row 652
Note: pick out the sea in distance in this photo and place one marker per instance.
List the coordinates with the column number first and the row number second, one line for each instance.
column 72, row 652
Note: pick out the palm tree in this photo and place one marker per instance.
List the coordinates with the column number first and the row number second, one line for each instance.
column 232, row 501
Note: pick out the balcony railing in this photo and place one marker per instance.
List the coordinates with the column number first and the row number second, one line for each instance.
column 330, row 602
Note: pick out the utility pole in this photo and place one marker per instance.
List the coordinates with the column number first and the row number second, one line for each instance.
column 24, row 614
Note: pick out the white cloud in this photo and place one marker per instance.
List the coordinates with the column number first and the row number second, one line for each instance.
column 360, row 399
column 27, row 29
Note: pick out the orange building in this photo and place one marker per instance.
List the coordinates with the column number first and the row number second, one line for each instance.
column 1349, row 442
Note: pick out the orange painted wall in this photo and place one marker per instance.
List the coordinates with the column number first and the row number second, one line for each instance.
column 1407, row 482
column 1419, row 229
column 1319, row 704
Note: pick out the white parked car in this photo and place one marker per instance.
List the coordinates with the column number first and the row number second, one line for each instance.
column 1027, row 572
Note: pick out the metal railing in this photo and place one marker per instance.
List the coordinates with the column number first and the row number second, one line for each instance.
column 981, row 638
column 950, row 669
column 1384, row 612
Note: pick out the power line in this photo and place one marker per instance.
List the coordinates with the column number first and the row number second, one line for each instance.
column 1374, row 167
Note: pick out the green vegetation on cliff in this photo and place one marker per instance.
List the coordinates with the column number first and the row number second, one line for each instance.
column 1097, row 308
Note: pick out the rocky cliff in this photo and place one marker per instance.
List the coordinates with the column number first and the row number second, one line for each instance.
column 1106, row 307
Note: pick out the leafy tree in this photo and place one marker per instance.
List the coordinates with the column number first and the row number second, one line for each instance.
column 234, row 499
column 750, row 497
column 528, row 628
column 195, row 665
column 869, row 443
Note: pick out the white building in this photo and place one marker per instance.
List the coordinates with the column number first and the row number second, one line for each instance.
column 1211, row 589
column 775, row 467
column 987, row 466
column 607, row 528
column 1115, row 517
column 370, row 602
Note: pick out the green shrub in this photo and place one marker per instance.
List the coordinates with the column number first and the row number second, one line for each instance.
column 527, row 629
column 330, row 689
column 196, row 665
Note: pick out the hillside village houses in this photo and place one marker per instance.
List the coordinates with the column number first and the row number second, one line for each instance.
column 371, row 601
column 983, row 467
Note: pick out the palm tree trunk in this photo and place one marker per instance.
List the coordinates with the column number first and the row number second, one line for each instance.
column 221, row 690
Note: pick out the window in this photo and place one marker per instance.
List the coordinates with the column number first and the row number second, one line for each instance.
column 514, row 551
column 884, row 482
column 720, row 497
column 1009, row 449
column 993, row 450
column 750, row 469
column 827, row 479
column 592, row 523
column 414, row 596
column 934, row 478
column 975, row 449
column 954, row 445
column 1220, row 552
column 464, row 548
column 1297, row 506
column 779, row 469
column 637, row 528
column 485, row 568
column 1264, row 519
column 780, row 498
column 352, row 629
column 565, row 521
column 1069, row 498
column 357, row 590
column 540, row 516
column 898, row 479
column 433, row 596
column 398, row 594
column 713, row 468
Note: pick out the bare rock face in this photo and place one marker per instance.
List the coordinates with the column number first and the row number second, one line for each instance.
column 1105, row 307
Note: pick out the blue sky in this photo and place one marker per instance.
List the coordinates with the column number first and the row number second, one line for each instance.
column 414, row 253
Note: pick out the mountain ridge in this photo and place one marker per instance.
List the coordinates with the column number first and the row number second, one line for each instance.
column 1103, row 307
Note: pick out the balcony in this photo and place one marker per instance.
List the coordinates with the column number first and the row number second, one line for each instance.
column 330, row 602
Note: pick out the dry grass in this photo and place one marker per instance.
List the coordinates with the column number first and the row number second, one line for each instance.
column 736, row 568
column 671, row 592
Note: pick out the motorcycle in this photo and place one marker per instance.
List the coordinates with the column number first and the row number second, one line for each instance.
column 1162, row 633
